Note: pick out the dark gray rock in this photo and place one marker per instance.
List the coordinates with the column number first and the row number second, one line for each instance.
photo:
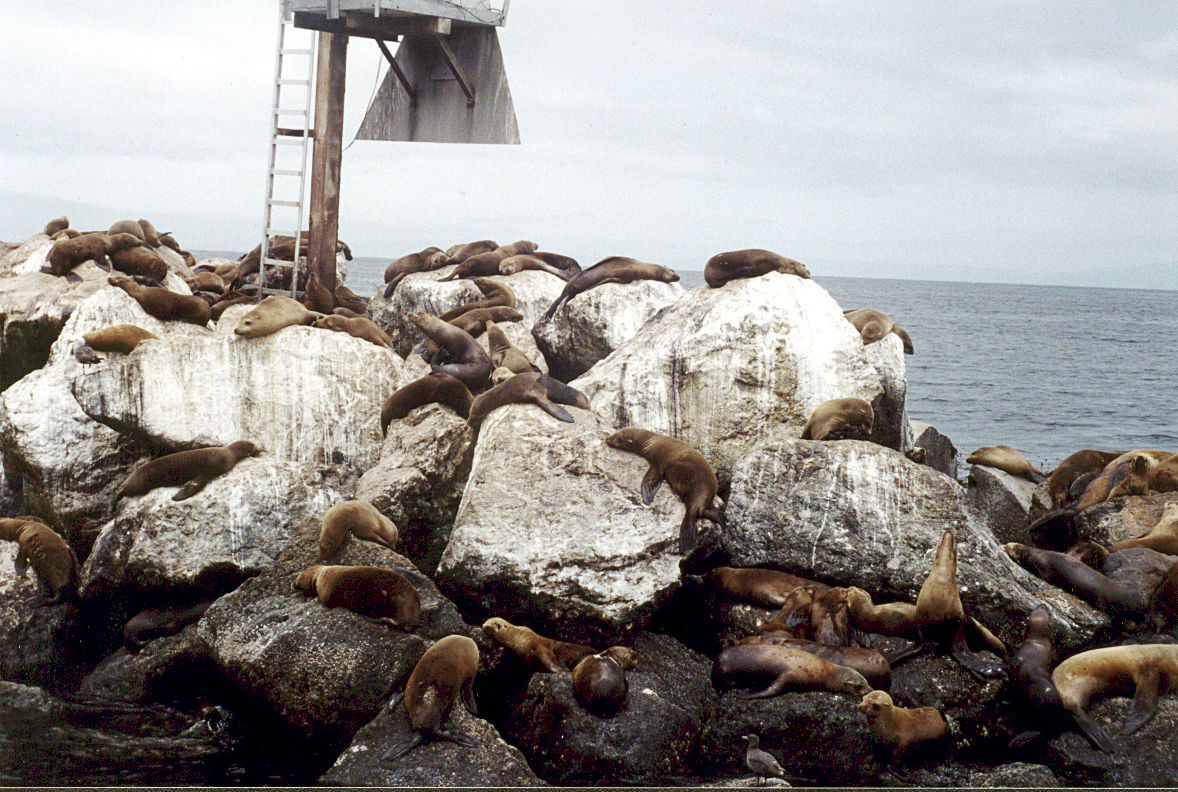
column 1148, row 758
column 1000, row 501
column 940, row 453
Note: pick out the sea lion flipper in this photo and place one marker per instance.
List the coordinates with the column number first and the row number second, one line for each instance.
column 555, row 410
column 1145, row 701
column 402, row 748
column 192, row 487
column 73, row 277
column 651, row 483
column 1093, row 731
column 549, row 661
column 687, row 533
column 776, row 687
column 468, row 698
column 459, row 736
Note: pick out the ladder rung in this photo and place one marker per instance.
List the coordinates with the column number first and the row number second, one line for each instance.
column 278, row 172
column 287, row 81
column 306, row 111
column 294, row 133
column 278, row 263
column 275, row 202
column 296, row 52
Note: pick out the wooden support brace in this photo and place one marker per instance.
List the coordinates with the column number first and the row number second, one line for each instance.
column 397, row 70
column 452, row 60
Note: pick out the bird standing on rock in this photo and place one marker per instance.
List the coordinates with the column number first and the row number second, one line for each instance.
column 761, row 763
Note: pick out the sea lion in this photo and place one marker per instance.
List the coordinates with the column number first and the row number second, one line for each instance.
column 683, row 468
column 118, row 338
column 364, row 329
column 754, row 262
column 488, row 263
column 615, row 269
column 869, row 662
column 760, row 763
column 532, row 261
column 890, row 618
column 793, row 620
column 899, row 728
column 360, row 519
column 1074, row 466
column 380, row 595
column 205, row 280
column 150, row 235
column 1089, row 553
column 163, row 304
column 140, row 262
column 494, row 294
column 423, row 261
column 874, row 325
column 445, row 672
column 54, row 226
column 1163, row 603
column 316, row 296
column 1138, row 474
column 1031, row 673
column 506, row 354
column 520, row 389
column 190, row 470
column 767, row 587
column 1149, row 669
column 66, row 233
column 1163, row 537
column 346, row 298
column 151, row 623
column 1006, row 459
column 1164, row 477
column 464, row 357
column 51, row 557
column 228, row 300
column 456, row 254
column 1076, row 577
column 830, row 618
column 272, row 314
column 563, row 394
column 128, row 227
column 441, row 388
column 599, row 680
column 475, row 322
column 916, row 455
column 68, row 253
column 786, row 666
column 550, row 654
column 840, row 419
column 169, row 241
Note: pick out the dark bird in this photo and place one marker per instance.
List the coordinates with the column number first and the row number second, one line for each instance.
column 761, row 763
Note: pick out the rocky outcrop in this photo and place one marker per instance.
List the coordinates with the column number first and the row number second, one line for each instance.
column 1000, row 501
column 33, row 641
column 940, row 453
column 724, row 369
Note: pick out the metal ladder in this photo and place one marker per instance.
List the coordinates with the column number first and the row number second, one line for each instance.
column 288, row 148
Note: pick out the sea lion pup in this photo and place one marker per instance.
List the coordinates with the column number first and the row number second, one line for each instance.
column 830, row 618
column 364, row 329
column 536, row 650
column 54, row 226
column 379, row 595
column 520, row 389
column 127, row 227
column 68, row 253
column 874, row 325
column 840, row 419
column 272, row 314
column 494, row 294
column 151, row 623
column 190, row 470
column 1031, row 667
column 316, row 297
column 51, row 557
column 117, row 338
column 615, row 269
column 141, row 263
column 1008, row 460
column 752, row 263
column 869, row 662
column 899, row 728
column 689, row 474
column 793, row 620
column 1149, row 669
column 786, row 666
column 599, row 680
column 445, row 672
column 360, row 519
column 488, row 263
column 506, row 354
column 439, row 387
column 163, row 304
column 423, row 261
column 536, row 261
column 464, row 357
column 1163, row 537
column 766, row 587
column 1076, row 577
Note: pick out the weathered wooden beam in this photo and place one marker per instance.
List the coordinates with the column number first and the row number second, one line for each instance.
column 328, row 154
column 456, row 70
column 363, row 25
column 396, row 67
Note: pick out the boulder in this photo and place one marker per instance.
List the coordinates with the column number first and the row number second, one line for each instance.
column 593, row 324
column 725, row 369
column 552, row 532
column 33, row 641
column 167, row 668
column 1014, row 775
column 854, row 513
column 1139, row 569
column 418, row 482
column 1122, row 518
column 940, row 453
column 1001, row 502
column 1148, row 758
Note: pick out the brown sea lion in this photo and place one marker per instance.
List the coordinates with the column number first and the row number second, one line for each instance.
column 563, row 394
column 767, row 587
column 51, row 557
column 1074, row 576
column 169, row 241
column 901, row 729
column 445, row 672
column 346, row 298
column 752, row 263
column 316, row 297
column 163, row 304
column 506, row 354
column 1148, row 669
column 550, row 654
column 463, row 358
column 488, row 263
column 423, row 261
column 916, row 455
column 1163, row 603
column 228, row 300
column 494, row 294
column 1008, row 460
column 205, row 280
column 150, row 235
column 190, row 470
column 1031, row 674
column 874, row 325
column 840, row 419
column 364, row 329
column 151, row 623
column 1164, row 477
column 615, row 269
column 1089, row 553
column 68, row 253
column 441, row 388
column 793, row 620
column 869, row 662
column 66, row 233
column 272, row 314
column 360, row 519
column 830, row 618
column 475, row 322
column 140, row 262
column 54, row 226
column 690, row 476
column 520, row 389
column 533, row 261
column 456, row 254
column 128, row 227
column 599, row 680
column 785, row 666
column 119, row 338
column 1163, row 537
column 380, row 595
column 890, row 618
column 1074, row 466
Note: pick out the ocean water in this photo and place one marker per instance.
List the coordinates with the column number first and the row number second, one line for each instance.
column 1048, row 370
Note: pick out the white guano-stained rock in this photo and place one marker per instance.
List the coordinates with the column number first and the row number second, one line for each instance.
column 552, row 529
column 723, row 369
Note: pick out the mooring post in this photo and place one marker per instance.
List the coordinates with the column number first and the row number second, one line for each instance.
column 328, row 153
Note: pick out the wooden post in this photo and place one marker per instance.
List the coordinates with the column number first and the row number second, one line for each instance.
column 328, row 153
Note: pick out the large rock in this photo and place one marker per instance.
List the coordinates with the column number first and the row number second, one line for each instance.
column 1122, row 518
column 302, row 393
column 939, row 451
column 724, row 369
column 855, row 513
column 593, row 324
column 1001, row 501
column 1148, row 758
column 552, row 530
column 33, row 641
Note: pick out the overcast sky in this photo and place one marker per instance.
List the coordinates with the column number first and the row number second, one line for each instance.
column 1026, row 142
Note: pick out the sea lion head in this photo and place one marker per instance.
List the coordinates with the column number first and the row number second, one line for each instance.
column 306, row 581
column 245, row 448
column 631, row 439
column 874, row 703
column 625, row 657
column 1016, row 551
column 667, row 275
column 848, row 680
column 494, row 626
